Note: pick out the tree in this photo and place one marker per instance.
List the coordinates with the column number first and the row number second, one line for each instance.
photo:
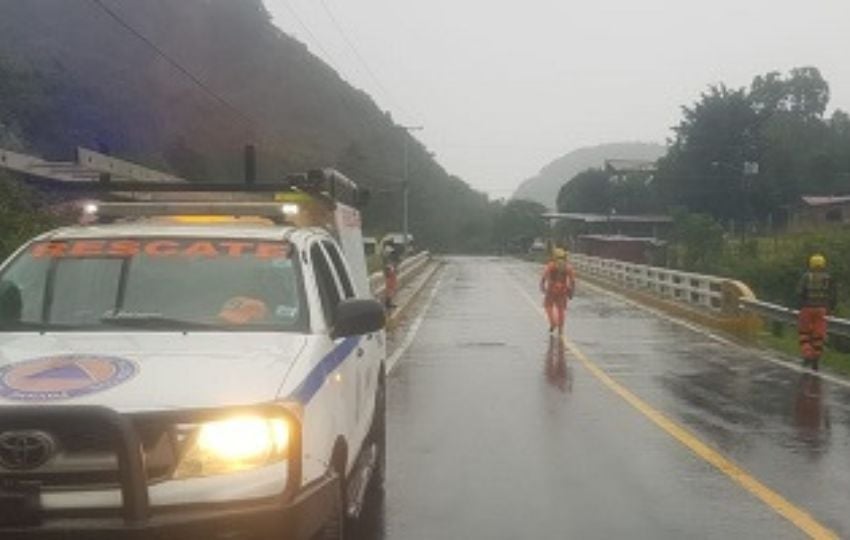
column 518, row 223
column 704, row 170
column 699, row 240
column 804, row 93
column 777, row 124
column 599, row 192
column 808, row 93
column 589, row 191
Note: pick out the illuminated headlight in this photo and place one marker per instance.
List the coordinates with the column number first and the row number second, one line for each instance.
column 233, row 445
column 290, row 209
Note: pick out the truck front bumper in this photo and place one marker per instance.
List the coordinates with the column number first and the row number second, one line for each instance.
column 301, row 517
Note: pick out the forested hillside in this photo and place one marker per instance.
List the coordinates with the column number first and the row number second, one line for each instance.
column 71, row 74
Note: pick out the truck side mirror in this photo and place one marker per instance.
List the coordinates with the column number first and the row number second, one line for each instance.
column 11, row 303
column 356, row 317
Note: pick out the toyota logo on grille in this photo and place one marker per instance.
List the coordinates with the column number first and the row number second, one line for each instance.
column 25, row 450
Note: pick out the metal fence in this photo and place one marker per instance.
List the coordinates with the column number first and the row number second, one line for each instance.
column 774, row 312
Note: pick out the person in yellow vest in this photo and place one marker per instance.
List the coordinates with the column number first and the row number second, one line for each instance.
column 818, row 295
column 557, row 285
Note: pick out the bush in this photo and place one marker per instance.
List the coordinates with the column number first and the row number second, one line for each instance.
column 700, row 242
column 771, row 266
column 774, row 273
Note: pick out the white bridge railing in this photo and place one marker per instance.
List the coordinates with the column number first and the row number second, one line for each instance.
column 694, row 289
column 716, row 294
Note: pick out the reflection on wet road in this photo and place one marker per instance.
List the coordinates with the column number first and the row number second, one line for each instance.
column 558, row 373
column 498, row 431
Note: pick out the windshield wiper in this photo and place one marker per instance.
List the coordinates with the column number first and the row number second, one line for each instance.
column 153, row 320
column 26, row 326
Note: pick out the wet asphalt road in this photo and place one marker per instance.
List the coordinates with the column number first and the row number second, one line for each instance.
column 496, row 432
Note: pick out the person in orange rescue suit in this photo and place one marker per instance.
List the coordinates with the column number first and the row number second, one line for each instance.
column 390, row 260
column 557, row 285
column 818, row 295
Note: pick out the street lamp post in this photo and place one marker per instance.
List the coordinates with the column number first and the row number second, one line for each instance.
column 406, row 187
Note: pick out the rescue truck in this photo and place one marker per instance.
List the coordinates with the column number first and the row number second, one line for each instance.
column 193, row 367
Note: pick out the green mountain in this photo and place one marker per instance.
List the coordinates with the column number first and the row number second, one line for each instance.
column 544, row 187
column 71, row 74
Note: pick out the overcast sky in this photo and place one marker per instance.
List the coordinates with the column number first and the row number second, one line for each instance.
column 503, row 87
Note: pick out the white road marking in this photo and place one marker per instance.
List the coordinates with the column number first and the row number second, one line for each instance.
column 392, row 361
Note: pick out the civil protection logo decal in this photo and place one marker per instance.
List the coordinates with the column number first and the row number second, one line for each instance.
column 63, row 376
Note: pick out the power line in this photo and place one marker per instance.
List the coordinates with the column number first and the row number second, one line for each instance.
column 344, row 99
column 174, row 63
column 251, row 122
column 350, row 43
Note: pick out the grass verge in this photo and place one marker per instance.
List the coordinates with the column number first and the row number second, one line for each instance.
column 834, row 360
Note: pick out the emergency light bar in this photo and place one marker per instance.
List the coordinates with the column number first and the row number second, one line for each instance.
column 327, row 184
column 275, row 212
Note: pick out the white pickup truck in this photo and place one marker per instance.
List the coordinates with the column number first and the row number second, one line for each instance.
column 191, row 370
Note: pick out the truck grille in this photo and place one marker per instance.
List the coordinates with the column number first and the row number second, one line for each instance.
column 85, row 457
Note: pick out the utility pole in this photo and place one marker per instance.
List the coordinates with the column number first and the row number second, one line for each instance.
column 250, row 164
column 406, row 186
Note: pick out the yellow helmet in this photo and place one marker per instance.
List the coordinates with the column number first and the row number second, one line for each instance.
column 817, row 262
column 559, row 253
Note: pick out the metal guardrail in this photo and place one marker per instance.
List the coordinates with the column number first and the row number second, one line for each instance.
column 686, row 287
column 774, row 312
column 407, row 268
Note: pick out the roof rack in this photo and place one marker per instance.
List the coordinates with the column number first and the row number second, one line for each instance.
column 328, row 184
column 93, row 173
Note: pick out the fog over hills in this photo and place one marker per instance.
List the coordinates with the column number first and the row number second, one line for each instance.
column 544, row 187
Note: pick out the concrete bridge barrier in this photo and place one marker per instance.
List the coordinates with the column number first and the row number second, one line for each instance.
column 407, row 270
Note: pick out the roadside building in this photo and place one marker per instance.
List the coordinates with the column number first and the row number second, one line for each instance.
column 814, row 212
column 632, row 238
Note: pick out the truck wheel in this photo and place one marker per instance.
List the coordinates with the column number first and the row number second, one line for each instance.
column 379, row 436
column 334, row 528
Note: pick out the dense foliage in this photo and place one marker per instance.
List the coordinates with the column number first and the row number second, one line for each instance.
column 518, row 224
column 598, row 191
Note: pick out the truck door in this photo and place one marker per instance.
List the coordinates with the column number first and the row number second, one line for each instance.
column 367, row 355
column 341, row 381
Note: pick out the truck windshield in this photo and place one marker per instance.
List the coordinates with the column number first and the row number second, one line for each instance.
column 153, row 284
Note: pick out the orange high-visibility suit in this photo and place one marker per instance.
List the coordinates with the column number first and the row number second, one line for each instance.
column 557, row 285
column 817, row 296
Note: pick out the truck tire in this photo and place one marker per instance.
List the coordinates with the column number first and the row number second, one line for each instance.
column 378, row 437
column 334, row 528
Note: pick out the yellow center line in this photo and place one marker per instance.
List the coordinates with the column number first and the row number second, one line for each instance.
column 779, row 504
